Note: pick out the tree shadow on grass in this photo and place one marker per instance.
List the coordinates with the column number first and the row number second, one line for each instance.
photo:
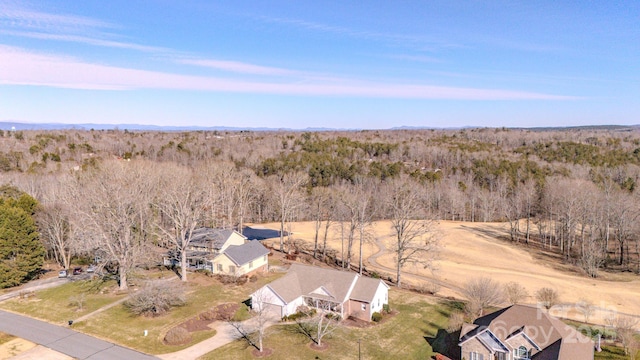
column 445, row 343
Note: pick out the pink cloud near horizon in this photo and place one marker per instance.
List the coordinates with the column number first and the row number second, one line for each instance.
column 22, row 67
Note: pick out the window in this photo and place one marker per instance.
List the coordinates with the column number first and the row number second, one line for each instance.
column 475, row 356
column 501, row 356
column 364, row 307
column 220, row 267
column 232, row 269
column 520, row 353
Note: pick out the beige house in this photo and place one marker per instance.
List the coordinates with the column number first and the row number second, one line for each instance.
column 522, row 332
column 222, row 252
column 342, row 292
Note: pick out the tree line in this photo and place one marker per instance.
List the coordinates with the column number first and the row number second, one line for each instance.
column 120, row 195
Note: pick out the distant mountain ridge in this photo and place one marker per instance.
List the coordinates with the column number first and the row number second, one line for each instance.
column 9, row 125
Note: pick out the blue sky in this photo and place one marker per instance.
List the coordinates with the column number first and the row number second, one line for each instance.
column 299, row 64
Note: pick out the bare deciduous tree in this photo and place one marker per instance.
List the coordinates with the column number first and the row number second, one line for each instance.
column 55, row 231
column 586, row 308
column 113, row 206
column 547, row 297
column 286, row 189
column 625, row 331
column 182, row 205
column 260, row 322
column 515, row 292
column 320, row 324
column 416, row 240
column 482, row 293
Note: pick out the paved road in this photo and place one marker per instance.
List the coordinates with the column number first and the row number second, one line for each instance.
column 65, row 340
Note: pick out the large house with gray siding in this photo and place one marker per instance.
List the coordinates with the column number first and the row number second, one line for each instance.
column 222, row 251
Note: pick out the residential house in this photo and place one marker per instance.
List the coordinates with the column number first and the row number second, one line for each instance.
column 222, row 252
column 521, row 332
column 342, row 292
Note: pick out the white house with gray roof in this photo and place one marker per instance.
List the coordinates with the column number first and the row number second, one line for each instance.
column 345, row 293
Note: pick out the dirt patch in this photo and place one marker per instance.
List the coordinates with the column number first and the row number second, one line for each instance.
column 317, row 347
column 264, row 353
column 357, row 323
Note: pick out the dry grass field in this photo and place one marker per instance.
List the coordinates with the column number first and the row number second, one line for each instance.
column 475, row 249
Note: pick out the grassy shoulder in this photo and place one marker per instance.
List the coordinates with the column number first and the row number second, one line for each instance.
column 65, row 302
column 404, row 335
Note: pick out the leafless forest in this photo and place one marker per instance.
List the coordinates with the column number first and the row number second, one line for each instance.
column 119, row 194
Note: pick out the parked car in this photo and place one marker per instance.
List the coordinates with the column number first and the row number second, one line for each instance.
column 77, row 271
column 63, row 273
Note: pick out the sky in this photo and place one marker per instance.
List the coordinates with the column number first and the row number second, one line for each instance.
column 321, row 64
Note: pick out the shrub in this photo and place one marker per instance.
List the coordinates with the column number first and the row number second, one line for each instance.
column 376, row 317
column 386, row 308
column 455, row 322
column 156, row 299
column 253, row 278
column 177, row 336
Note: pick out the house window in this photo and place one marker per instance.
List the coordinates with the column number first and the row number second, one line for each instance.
column 232, row 269
column 220, row 267
column 521, row 353
column 250, row 264
column 475, row 356
column 364, row 307
column 501, row 356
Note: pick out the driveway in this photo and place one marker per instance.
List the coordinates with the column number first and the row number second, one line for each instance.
column 65, row 340
column 33, row 286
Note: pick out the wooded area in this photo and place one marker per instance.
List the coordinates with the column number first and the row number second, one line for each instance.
column 122, row 195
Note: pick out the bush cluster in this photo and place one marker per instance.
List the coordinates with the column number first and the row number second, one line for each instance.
column 177, row 336
column 376, row 317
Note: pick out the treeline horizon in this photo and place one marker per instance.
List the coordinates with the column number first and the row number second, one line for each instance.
column 572, row 191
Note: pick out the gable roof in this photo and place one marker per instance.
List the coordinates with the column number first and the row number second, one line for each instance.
column 210, row 237
column 242, row 254
column 303, row 280
column 366, row 288
column 554, row 339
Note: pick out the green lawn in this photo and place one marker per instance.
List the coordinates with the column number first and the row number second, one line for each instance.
column 119, row 325
column 402, row 336
column 612, row 353
column 55, row 304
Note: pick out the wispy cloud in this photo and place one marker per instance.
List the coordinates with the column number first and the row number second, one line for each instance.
column 29, row 23
column 23, row 67
column 15, row 16
column 417, row 42
column 237, row 67
column 415, row 58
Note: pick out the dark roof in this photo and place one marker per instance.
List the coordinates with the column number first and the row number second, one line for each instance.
column 556, row 339
column 261, row 233
column 210, row 238
column 242, row 254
